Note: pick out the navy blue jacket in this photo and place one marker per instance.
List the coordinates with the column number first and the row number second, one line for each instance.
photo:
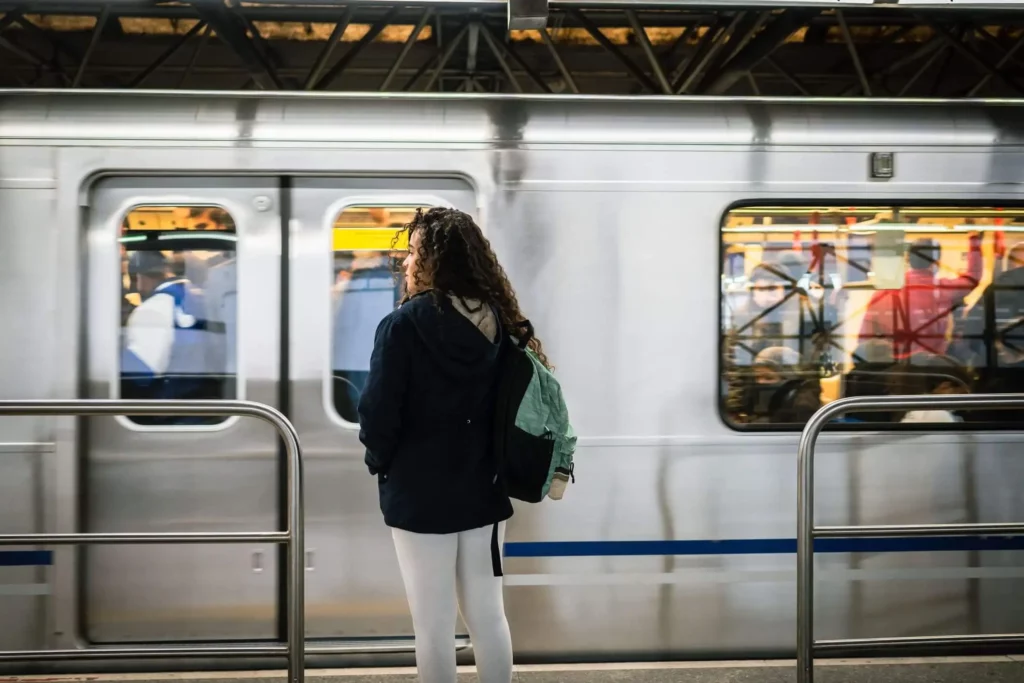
column 426, row 418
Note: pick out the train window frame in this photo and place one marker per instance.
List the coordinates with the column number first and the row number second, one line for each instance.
column 330, row 216
column 951, row 203
column 136, row 203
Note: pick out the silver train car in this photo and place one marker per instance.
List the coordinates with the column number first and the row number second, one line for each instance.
column 632, row 230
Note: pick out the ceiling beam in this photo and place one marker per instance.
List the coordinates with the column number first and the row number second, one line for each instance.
column 167, row 54
column 756, row 50
column 230, row 30
column 354, row 51
column 976, row 59
column 614, row 50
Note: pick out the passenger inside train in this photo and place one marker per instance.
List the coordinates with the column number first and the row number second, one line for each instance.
column 916, row 318
column 780, row 392
column 820, row 303
column 933, row 374
column 177, row 302
column 365, row 290
column 367, row 294
column 190, row 351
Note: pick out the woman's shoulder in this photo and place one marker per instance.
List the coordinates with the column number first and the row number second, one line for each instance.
column 419, row 301
column 407, row 315
column 395, row 322
column 419, row 306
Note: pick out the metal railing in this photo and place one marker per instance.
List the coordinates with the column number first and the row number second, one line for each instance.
column 291, row 538
column 806, row 532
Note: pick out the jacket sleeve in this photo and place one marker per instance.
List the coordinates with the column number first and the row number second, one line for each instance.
column 381, row 404
column 957, row 288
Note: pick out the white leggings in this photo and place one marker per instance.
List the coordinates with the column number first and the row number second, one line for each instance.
column 436, row 568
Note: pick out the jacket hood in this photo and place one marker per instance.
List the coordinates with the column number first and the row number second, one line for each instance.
column 463, row 336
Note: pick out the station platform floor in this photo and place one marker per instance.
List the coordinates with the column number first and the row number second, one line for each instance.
column 989, row 669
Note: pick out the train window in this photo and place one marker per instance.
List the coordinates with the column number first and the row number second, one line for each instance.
column 823, row 302
column 178, row 299
column 368, row 250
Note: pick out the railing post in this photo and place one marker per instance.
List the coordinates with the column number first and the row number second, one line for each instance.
column 295, row 624
column 292, row 537
column 805, row 552
column 806, row 531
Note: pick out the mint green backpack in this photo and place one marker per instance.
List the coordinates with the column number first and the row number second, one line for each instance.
column 534, row 442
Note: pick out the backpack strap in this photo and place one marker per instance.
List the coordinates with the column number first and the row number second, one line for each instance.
column 527, row 327
column 522, row 339
column 495, row 551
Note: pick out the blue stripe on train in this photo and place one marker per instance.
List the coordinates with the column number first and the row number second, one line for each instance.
column 26, row 558
column 736, row 546
column 760, row 546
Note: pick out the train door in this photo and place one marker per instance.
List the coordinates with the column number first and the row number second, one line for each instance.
column 182, row 300
column 343, row 251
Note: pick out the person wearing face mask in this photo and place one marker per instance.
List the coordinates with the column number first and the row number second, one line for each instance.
column 782, row 310
column 916, row 318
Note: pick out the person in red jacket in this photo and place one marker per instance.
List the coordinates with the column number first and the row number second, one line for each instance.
column 916, row 318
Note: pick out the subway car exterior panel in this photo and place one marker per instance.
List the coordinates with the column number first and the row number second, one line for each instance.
column 615, row 220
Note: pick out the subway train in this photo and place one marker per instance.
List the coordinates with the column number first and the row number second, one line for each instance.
column 637, row 233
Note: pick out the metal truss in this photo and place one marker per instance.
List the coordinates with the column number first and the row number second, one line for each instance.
column 808, row 51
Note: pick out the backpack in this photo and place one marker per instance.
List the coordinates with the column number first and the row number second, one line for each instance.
column 534, row 442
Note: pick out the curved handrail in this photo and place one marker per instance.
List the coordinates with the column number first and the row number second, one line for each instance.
column 806, row 532
column 291, row 538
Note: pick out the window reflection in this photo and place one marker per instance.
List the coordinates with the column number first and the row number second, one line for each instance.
column 368, row 251
column 824, row 302
column 178, row 307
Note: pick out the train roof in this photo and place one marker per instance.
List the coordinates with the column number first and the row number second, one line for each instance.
column 176, row 117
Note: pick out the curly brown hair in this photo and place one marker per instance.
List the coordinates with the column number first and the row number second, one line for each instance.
column 455, row 258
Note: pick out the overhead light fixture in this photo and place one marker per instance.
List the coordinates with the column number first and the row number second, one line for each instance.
column 525, row 15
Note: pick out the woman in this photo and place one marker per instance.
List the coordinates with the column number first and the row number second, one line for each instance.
column 426, row 418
